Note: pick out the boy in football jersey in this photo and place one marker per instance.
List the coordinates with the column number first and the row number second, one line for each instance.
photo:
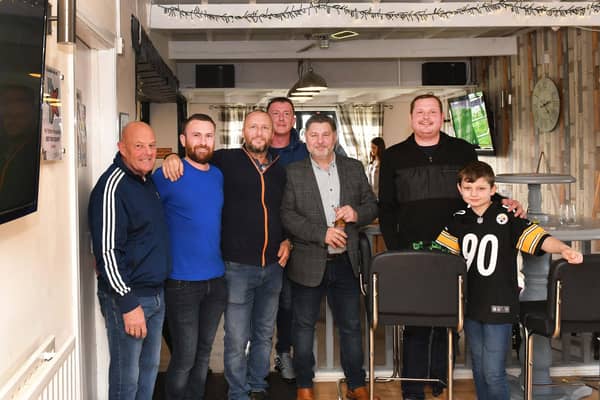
column 489, row 237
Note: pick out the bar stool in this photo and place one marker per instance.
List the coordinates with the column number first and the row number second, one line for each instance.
column 416, row 288
column 572, row 305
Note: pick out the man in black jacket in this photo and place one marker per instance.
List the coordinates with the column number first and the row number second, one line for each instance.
column 417, row 196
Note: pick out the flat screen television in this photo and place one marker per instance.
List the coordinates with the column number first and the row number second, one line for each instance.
column 471, row 121
column 22, row 56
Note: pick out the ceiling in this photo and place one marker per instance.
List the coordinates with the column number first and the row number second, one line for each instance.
column 193, row 39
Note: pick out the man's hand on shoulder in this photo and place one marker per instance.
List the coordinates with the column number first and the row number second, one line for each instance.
column 172, row 167
column 135, row 323
column 513, row 204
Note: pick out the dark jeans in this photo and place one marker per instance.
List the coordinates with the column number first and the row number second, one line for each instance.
column 194, row 309
column 423, row 356
column 343, row 295
column 284, row 317
column 133, row 362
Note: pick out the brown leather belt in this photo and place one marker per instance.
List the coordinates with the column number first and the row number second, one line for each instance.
column 333, row 256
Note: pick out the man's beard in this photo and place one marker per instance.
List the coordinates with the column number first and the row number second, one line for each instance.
column 256, row 149
column 199, row 158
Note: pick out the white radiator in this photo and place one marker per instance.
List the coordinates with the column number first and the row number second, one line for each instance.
column 49, row 374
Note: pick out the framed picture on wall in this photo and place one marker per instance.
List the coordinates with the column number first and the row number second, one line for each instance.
column 123, row 120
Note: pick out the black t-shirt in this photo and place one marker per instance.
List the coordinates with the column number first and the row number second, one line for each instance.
column 490, row 244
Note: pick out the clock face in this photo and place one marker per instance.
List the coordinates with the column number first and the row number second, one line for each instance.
column 545, row 105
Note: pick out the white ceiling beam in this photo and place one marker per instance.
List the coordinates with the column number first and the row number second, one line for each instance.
column 159, row 19
column 354, row 49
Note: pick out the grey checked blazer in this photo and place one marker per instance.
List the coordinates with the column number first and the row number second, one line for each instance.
column 304, row 218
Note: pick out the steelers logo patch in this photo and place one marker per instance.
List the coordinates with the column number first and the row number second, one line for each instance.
column 502, row 219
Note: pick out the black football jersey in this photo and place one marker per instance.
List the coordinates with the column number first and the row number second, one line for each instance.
column 489, row 245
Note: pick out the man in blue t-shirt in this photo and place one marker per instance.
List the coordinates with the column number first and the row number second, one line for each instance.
column 196, row 291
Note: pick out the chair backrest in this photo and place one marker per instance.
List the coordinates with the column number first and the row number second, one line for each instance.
column 418, row 288
column 580, row 293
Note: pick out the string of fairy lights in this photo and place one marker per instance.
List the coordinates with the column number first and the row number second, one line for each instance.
column 370, row 13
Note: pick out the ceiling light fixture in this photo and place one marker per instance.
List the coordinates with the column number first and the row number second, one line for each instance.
column 296, row 95
column 311, row 81
column 300, row 99
column 309, row 84
column 343, row 35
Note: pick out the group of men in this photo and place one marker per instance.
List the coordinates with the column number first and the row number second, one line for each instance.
column 246, row 232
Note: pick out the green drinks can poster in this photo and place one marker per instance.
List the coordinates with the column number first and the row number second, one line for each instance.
column 470, row 120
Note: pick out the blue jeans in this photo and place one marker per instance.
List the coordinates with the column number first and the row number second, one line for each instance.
column 194, row 309
column 250, row 317
column 343, row 295
column 133, row 362
column 284, row 317
column 424, row 355
column 488, row 344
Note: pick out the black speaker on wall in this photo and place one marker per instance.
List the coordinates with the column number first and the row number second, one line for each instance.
column 444, row 73
column 215, row 76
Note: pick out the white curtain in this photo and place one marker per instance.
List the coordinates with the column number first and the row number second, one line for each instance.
column 359, row 124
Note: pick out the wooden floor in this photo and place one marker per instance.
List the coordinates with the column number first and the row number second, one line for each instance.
column 463, row 390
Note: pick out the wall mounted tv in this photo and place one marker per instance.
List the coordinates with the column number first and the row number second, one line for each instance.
column 471, row 122
column 22, row 51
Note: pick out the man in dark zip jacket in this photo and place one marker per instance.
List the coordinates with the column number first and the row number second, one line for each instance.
column 254, row 250
column 131, row 247
column 417, row 196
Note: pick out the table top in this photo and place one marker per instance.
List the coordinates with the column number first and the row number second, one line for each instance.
column 584, row 229
column 534, row 177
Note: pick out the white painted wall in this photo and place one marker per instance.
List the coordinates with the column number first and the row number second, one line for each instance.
column 47, row 282
column 38, row 254
column 396, row 126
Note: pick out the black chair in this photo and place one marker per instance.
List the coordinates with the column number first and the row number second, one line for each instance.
column 364, row 246
column 572, row 305
column 416, row 288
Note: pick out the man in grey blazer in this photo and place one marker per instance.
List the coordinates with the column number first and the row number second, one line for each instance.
column 327, row 198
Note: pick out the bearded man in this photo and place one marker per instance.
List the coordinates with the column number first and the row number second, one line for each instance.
column 196, row 291
column 254, row 250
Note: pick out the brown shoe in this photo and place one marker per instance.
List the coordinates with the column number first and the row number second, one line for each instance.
column 359, row 393
column 305, row 394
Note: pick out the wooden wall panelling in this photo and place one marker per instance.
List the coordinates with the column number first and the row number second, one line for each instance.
column 506, row 112
column 570, row 57
column 596, row 130
column 585, row 192
column 560, row 164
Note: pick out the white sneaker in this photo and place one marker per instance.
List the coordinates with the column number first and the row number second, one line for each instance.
column 283, row 364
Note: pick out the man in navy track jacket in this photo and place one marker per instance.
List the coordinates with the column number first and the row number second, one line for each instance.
column 131, row 247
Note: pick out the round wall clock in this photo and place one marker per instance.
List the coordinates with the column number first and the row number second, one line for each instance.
column 545, row 105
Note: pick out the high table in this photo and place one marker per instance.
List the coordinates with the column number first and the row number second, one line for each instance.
column 534, row 181
column 536, row 268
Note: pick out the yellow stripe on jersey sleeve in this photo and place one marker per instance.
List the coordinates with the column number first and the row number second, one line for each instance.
column 530, row 238
column 448, row 241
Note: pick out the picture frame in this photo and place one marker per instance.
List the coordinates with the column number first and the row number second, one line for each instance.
column 123, row 120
